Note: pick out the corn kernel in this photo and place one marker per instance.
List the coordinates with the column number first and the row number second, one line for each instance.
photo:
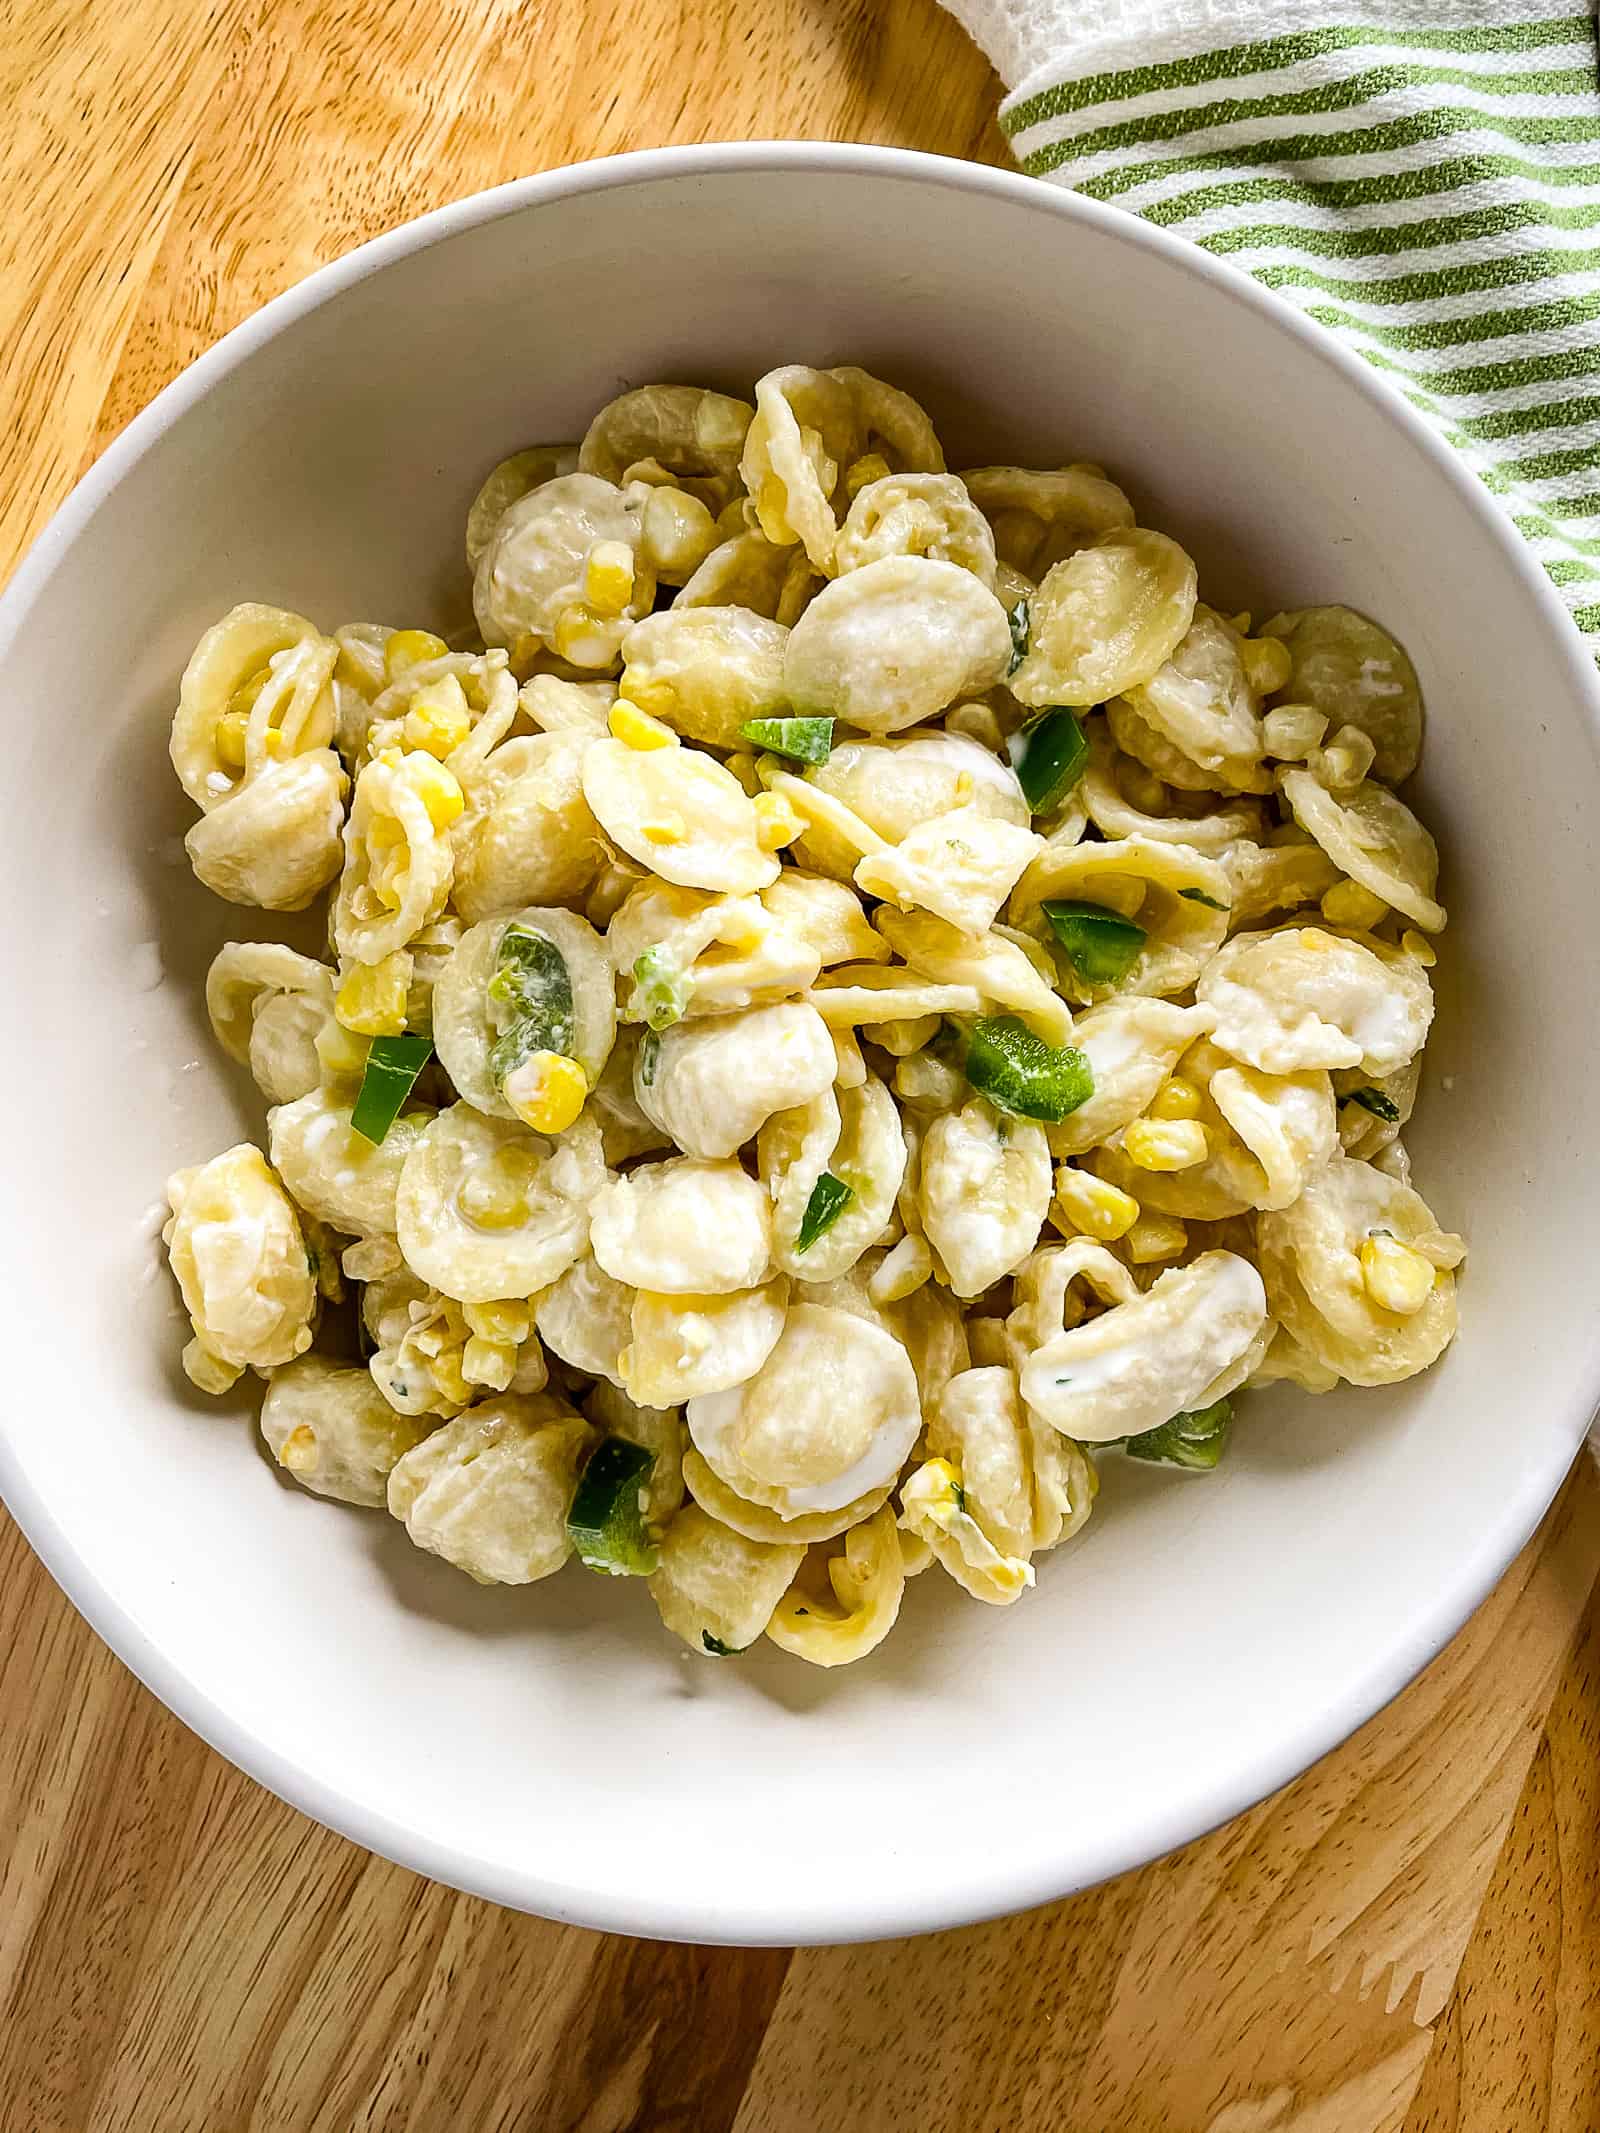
column 507, row 1324
column 488, row 1363
column 667, row 828
column 1394, row 1276
column 871, row 467
column 1347, row 903
column 1293, row 731
column 1418, row 947
column 409, row 648
column 342, row 1052
column 1267, row 664
column 436, row 787
column 547, row 1091
column 1166, row 1143
column 638, row 729
column 581, row 635
column 372, row 998
column 230, row 735
column 608, row 577
column 901, row 1272
column 299, row 1452
column 778, row 821
column 1345, row 761
column 1091, row 1207
column 438, row 720
column 1155, row 1237
column 276, row 745
column 450, row 1377
column 1176, row 1098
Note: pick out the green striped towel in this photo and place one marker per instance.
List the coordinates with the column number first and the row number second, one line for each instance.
column 1423, row 179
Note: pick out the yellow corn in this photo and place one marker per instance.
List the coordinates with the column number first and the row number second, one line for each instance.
column 409, row 648
column 1292, row 731
column 506, row 1324
column 1176, row 1098
column 1394, row 1276
column 277, row 746
column 230, row 739
column 1267, row 664
column 580, row 635
column 1346, row 759
column 488, row 1363
column 342, row 1052
column 1347, row 903
column 778, row 821
column 637, row 729
column 872, row 467
column 608, row 577
column 1091, row 1206
column 1418, row 947
column 450, row 1377
column 1166, row 1143
column 668, row 828
column 547, row 1091
column 372, row 998
column 438, row 720
column 435, row 787
column 298, row 1452
column 1155, row 1237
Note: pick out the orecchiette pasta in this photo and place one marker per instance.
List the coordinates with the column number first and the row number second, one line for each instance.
column 239, row 1255
column 894, row 642
column 684, row 1228
column 267, row 1006
column 804, row 1061
column 333, row 1431
column 555, row 565
column 490, row 1491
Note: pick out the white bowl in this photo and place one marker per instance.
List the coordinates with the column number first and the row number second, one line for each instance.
column 553, row 1748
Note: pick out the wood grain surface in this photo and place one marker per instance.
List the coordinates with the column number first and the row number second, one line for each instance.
column 1407, row 1940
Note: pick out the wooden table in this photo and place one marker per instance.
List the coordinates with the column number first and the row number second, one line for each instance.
column 1405, row 1941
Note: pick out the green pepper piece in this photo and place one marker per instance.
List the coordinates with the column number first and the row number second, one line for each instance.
column 387, row 1079
column 649, row 1053
column 531, row 1000
column 1376, row 1102
column 716, row 1647
column 1048, row 755
column 830, row 1196
column 1199, row 896
column 606, row 1522
column 1100, row 944
column 663, row 988
column 1018, row 1072
column 1195, row 1439
column 807, row 740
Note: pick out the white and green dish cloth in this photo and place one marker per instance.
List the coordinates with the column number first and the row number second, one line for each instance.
column 1423, row 180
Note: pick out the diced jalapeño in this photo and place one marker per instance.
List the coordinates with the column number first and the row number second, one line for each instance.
column 530, row 1000
column 806, row 740
column 1048, row 755
column 830, row 1196
column 606, row 1522
column 1196, row 1439
column 1100, row 944
column 1014, row 1067
column 390, row 1074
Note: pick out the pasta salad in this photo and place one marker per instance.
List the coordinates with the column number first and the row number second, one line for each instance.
column 852, row 996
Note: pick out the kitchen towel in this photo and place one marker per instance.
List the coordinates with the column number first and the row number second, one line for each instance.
column 1422, row 179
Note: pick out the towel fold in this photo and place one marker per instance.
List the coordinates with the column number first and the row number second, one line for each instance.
column 1423, row 180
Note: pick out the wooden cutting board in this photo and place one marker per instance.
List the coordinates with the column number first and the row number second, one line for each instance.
column 1405, row 1941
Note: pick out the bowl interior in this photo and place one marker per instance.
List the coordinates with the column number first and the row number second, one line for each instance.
column 553, row 1747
